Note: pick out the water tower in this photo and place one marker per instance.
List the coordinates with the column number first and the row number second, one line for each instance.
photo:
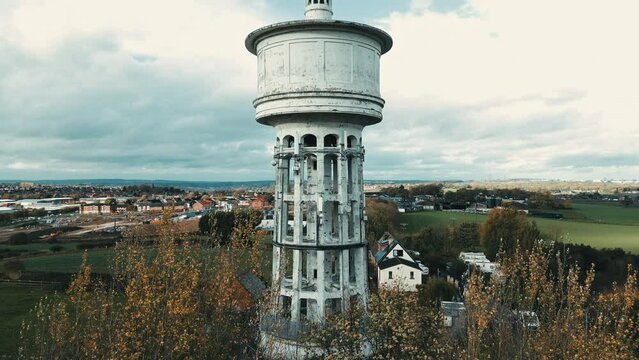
column 318, row 86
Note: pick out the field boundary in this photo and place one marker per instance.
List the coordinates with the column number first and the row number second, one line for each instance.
column 30, row 283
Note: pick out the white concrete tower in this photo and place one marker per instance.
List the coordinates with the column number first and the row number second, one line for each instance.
column 318, row 86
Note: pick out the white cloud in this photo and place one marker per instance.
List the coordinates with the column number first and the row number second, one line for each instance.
column 489, row 89
column 24, row 166
column 202, row 37
column 563, row 73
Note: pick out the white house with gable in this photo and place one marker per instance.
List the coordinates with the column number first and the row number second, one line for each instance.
column 396, row 267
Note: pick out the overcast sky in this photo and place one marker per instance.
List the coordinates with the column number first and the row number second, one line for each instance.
column 477, row 89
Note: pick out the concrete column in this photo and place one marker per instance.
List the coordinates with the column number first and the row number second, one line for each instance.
column 282, row 214
column 277, row 259
column 321, row 283
column 321, row 186
column 362, row 276
column 297, row 272
column 344, row 279
column 362, row 197
column 356, row 196
column 297, row 232
column 344, row 206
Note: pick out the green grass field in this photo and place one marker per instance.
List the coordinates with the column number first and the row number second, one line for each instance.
column 69, row 262
column 602, row 212
column 15, row 304
column 30, row 247
column 600, row 225
column 416, row 221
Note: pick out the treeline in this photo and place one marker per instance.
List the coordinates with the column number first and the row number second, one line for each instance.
column 629, row 201
column 417, row 190
column 462, row 198
column 150, row 189
column 21, row 214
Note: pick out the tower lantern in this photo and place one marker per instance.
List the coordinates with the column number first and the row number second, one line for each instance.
column 318, row 10
column 318, row 86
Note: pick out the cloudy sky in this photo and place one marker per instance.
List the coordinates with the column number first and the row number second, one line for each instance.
column 163, row 89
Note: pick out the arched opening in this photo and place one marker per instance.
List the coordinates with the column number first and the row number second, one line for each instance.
column 289, row 141
column 330, row 141
column 309, row 219
column 309, row 174
column 351, row 141
column 309, row 140
column 290, row 219
column 330, row 173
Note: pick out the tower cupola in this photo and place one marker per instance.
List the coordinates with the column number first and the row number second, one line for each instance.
column 319, row 9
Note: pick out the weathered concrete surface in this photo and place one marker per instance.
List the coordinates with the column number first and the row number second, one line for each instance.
column 318, row 86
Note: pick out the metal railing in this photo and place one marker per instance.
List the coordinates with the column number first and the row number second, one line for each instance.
column 283, row 327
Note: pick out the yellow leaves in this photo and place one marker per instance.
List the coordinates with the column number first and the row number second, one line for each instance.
column 574, row 322
column 169, row 300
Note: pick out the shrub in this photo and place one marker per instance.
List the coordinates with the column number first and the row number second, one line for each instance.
column 56, row 248
column 14, row 266
column 18, row 239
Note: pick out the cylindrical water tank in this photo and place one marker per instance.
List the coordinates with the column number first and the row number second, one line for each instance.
column 318, row 66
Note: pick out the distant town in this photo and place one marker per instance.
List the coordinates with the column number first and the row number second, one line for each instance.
column 77, row 213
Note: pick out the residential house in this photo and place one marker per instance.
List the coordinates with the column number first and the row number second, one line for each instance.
column 121, row 208
column 90, row 209
column 153, row 206
column 246, row 291
column 178, row 205
column 396, row 265
column 95, row 209
column 202, row 205
column 260, row 203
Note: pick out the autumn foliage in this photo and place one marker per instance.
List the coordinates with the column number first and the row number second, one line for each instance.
column 574, row 322
column 175, row 300
column 178, row 300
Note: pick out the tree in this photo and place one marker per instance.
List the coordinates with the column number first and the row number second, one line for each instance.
column 14, row 269
column 173, row 301
column 436, row 290
column 427, row 189
column 382, row 216
column 396, row 191
column 467, row 234
column 572, row 322
column 14, row 266
column 510, row 227
column 19, row 239
column 397, row 325
column 542, row 200
column 220, row 225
